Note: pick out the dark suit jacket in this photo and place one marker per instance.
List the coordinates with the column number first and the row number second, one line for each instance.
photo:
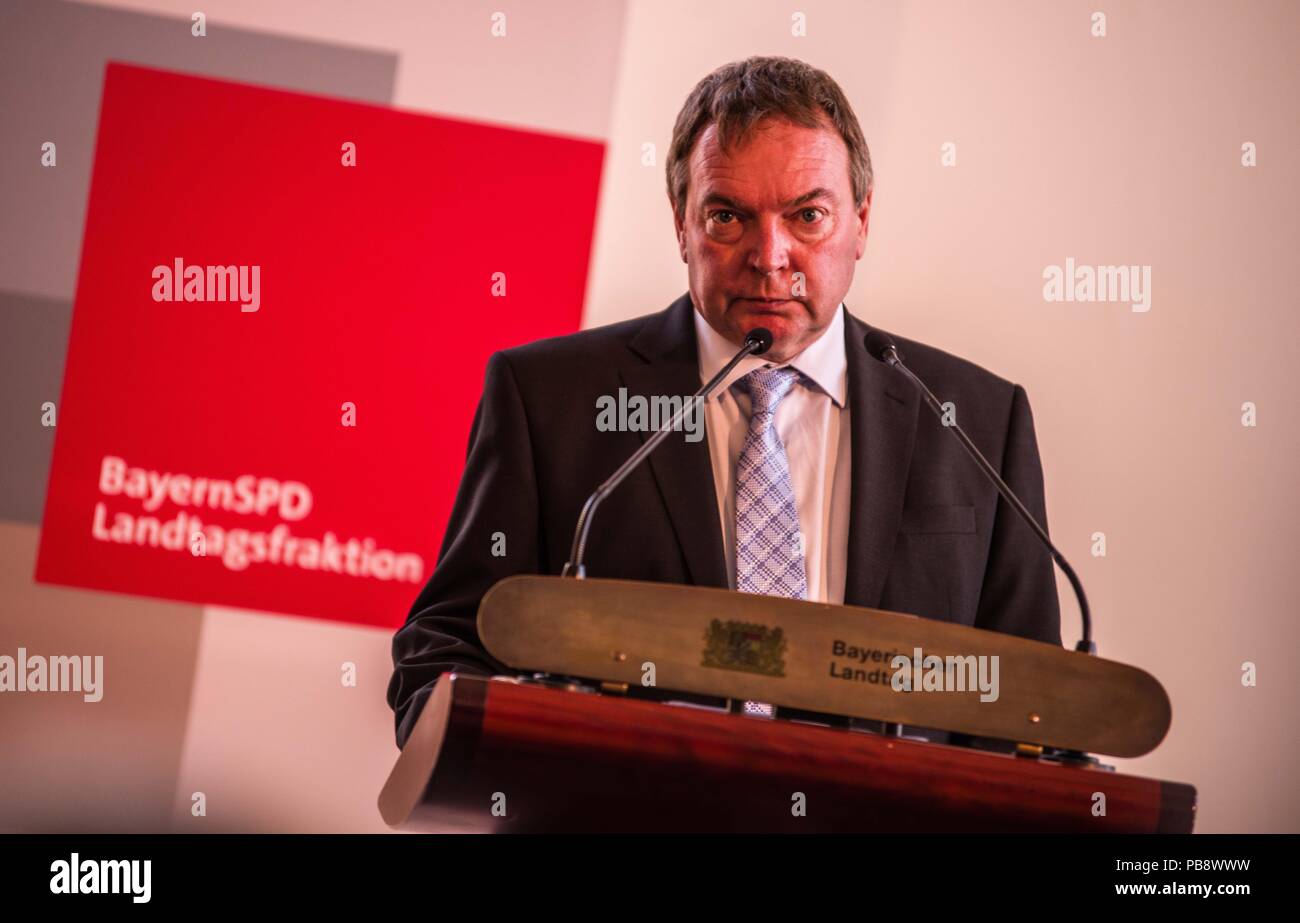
column 927, row 534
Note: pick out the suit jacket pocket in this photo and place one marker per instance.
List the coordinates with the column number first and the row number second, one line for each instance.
column 938, row 519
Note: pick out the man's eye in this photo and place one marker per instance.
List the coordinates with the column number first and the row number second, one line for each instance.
column 717, row 216
column 816, row 214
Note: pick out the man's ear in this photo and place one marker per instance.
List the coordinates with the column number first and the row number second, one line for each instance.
column 864, row 214
column 679, row 227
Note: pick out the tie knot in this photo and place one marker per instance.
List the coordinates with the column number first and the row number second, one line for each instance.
column 766, row 387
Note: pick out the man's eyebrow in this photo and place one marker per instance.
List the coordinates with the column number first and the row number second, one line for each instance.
column 818, row 193
column 716, row 198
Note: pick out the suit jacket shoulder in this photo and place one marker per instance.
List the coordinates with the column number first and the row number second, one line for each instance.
column 983, row 400
column 603, row 344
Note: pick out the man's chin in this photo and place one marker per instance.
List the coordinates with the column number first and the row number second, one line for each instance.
column 786, row 330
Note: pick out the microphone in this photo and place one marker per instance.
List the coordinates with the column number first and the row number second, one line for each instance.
column 881, row 346
column 757, row 342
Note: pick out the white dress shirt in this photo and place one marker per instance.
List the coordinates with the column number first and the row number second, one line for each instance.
column 813, row 424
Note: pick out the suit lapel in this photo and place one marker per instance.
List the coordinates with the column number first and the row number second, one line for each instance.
column 883, row 410
column 668, row 364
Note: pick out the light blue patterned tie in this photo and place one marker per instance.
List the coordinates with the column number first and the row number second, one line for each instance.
column 769, row 550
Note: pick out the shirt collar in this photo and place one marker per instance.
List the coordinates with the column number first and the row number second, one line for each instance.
column 824, row 361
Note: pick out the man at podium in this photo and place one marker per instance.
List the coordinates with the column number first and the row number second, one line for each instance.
column 815, row 471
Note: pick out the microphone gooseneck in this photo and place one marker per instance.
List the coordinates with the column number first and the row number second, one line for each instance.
column 757, row 341
column 880, row 346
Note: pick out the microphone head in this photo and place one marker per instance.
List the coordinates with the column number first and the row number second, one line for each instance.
column 879, row 345
column 763, row 337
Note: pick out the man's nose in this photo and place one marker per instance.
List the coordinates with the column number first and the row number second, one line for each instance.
column 771, row 246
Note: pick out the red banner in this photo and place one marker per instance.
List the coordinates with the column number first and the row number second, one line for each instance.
column 283, row 314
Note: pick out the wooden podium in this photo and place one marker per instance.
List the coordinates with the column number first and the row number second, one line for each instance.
column 552, row 760
column 610, row 751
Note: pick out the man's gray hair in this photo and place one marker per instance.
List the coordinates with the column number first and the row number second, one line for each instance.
column 738, row 95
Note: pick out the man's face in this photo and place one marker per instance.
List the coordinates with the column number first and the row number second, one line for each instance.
column 778, row 205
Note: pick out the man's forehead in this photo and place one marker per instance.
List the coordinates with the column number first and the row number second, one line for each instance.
column 718, row 195
column 786, row 186
column 805, row 161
